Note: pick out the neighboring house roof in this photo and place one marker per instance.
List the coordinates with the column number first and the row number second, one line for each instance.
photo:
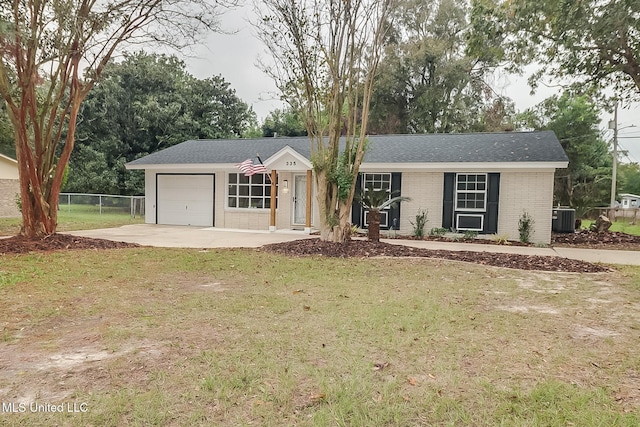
column 8, row 167
column 630, row 196
column 8, row 159
column 542, row 146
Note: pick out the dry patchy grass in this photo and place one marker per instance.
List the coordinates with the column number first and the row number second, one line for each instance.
column 242, row 337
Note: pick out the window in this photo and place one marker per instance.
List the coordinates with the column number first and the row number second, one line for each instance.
column 378, row 181
column 471, row 192
column 249, row 191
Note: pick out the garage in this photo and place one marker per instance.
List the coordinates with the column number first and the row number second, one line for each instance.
column 185, row 199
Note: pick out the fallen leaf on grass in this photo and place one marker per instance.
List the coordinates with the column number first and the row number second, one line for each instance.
column 380, row 366
column 306, row 307
column 318, row 396
column 298, row 291
column 412, row 381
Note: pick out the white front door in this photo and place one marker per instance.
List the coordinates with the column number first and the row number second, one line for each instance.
column 300, row 199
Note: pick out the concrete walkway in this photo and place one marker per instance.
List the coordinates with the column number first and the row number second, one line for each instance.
column 198, row 237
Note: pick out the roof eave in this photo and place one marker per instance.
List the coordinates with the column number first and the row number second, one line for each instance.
column 452, row 166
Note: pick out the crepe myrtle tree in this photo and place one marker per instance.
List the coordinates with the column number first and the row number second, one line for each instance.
column 323, row 58
column 375, row 200
column 51, row 55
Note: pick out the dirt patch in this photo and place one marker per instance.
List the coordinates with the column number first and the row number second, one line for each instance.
column 587, row 332
column 32, row 370
column 55, row 242
column 365, row 248
column 528, row 309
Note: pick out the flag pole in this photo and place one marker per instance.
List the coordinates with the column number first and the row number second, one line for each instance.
column 260, row 160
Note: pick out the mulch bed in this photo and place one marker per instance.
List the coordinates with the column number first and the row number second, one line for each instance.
column 22, row 245
column 593, row 240
column 364, row 248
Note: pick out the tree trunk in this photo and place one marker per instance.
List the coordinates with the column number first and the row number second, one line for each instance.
column 335, row 215
column 39, row 212
column 373, row 230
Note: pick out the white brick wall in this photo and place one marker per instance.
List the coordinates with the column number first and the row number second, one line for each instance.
column 425, row 190
column 8, row 190
column 530, row 191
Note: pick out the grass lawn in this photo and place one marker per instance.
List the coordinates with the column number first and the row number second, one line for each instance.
column 241, row 337
column 621, row 225
column 78, row 217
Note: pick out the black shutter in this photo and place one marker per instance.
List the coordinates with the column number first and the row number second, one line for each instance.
column 356, row 209
column 447, row 200
column 396, row 190
column 493, row 196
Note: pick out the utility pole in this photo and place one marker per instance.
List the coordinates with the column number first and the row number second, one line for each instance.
column 613, row 124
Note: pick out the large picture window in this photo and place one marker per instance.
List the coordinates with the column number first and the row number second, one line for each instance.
column 249, row 191
column 471, row 192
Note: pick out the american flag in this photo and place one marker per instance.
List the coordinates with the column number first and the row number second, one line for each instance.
column 248, row 168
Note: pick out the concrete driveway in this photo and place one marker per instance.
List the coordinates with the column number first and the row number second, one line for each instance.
column 174, row 236
column 209, row 237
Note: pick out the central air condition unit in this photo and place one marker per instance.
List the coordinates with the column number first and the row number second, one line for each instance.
column 563, row 220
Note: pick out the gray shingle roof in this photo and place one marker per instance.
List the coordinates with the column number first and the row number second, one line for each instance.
column 542, row 146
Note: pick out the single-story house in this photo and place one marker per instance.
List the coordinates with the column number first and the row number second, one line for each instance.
column 479, row 181
column 630, row 201
column 9, row 186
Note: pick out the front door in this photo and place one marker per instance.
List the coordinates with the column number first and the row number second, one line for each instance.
column 300, row 199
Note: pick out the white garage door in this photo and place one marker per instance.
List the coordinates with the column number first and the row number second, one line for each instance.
column 185, row 200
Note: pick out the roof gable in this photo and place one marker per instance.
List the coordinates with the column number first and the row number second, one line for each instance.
column 287, row 159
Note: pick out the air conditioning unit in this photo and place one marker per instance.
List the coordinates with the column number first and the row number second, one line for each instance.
column 563, row 220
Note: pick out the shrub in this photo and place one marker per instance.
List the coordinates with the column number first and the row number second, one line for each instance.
column 502, row 239
column 420, row 223
column 470, row 235
column 438, row 231
column 525, row 227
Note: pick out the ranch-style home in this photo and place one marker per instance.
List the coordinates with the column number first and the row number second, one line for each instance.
column 479, row 182
column 9, row 186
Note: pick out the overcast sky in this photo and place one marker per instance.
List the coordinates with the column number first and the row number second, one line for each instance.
column 235, row 56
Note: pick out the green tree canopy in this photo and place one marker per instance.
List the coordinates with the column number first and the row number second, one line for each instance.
column 428, row 81
column 574, row 119
column 589, row 42
column 146, row 103
column 286, row 122
column 7, row 145
column 629, row 177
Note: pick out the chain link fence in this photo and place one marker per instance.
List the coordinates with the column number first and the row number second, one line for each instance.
column 102, row 204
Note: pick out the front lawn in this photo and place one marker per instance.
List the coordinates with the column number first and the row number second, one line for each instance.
column 242, row 337
column 78, row 217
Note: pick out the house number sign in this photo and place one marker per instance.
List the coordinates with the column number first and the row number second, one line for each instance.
column 290, row 163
